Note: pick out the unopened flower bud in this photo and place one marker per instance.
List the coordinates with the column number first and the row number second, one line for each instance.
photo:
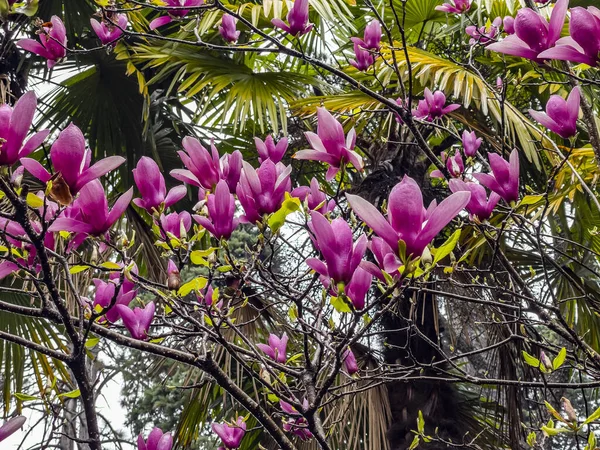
column 569, row 410
column 546, row 361
column 173, row 277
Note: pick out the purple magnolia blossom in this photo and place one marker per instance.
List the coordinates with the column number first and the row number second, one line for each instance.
column 505, row 178
column 483, row 35
column 14, row 126
column 53, row 42
column 207, row 296
column 533, row 34
column 71, row 161
column 363, row 58
column 455, row 6
column 230, row 435
column 268, row 149
column 221, row 210
column 315, row 198
column 137, row 320
column 108, row 32
column 433, row 106
column 177, row 224
column 205, row 169
column 297, row 19
column 407, row 218
column 454, row 164
column 178, row 11
column 381, row 250
column 509, row 24
column 151, row 184
column 479, row 205
column 583, row 46
column 471, row 143
column 330, row 146
column 358, row 287
column 105, row 292
column 128, row 285
column 89, row 213
column 349, row 361
column 262, row 191
column 228, row 29
column 372, row 37
column 13, row 232
column 296, row 424
column 11, row 426
column 277, row 348
column 156, row 441
column 561, row 115
column 335, row 242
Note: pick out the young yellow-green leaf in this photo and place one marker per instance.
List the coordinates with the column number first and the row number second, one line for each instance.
column 78, row 269
column 277, row 219
column 92, row 342
column 340, row 304
column 531, row 200
column 110, row 265
column 446, row 248
column 421, row 423
column 531, row 439
column 25, row 397
column 560, row 359
column 71, row 394
column 415, row 443
column 197, row 258
column 554, row 412
column 593, row 417
column 196, row 284
column 34, row 201
column 531, row 360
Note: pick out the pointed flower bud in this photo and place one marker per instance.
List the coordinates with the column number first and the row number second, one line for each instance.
column 173, row 276
column 230, row 434
column 358, row 287
column 277, row 348
column 330, row 146
column 227, row 29
column 350, row 363
column 106, row 31
column 221, row 210
column 297, row 18
column 53, row 42
column 363, row 58
column 471, row 143
column 157, row 440
column 138, row 320
column 561, row 115
column 268, row 149
column 479, row 205
column 11, row 426
column 547, row 362
column 455, row 6
column 151, row 184
column 176, row 12
column 569, row 410
column 372, row 36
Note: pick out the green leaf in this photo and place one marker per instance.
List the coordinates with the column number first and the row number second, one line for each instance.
column 92, row 342
column 531, row 200
column 531, row 360
column 71, row 394
column 34, row 201
column 25, row 397
column 198, row 256
column 560, row 359
column 593, row 417
column 554, row 412
column 415, row 443
column 196, row 284
column 277, row 219
column 340, row 304
column 421, row 423
column 446, row 248
column 531, row 439
column 78, row 269
column 110, row 265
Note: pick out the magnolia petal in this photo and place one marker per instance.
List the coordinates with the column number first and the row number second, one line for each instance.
column 36, row 169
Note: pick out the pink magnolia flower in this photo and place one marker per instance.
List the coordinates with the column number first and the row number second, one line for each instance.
column 53, row 42
column 533, row 33
column 335, row 242
column 509, row 24
column 330, row 146
column 350, row 363
column 178, row 11
column 156, row 441
column 108, row 32
column 314, row 197
column 583, row 46
column 89, row 213
column 358, row 287
column 471, row 143
column 177, row 224
column 11, row 426
column 105, row 292
column 14, row 126
column 296, row 424
column 128, row 285
column 205, row 169
column 455, row 6
column 505, row 178
column 372, row 37
column 228, row 29
column 454, row 164
column 138, row 320
column 262, row 191
column 221, row 210
column 433, row 106
column 408, row 220
column 208, row 297
column 151, row 184
column 297, row 19
column 479, row 205
column 561, row 115
column 268, row 149
column 483, row 35
column 277, row 348
column 71, row 161
column 363, row 58
column 230, row 434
